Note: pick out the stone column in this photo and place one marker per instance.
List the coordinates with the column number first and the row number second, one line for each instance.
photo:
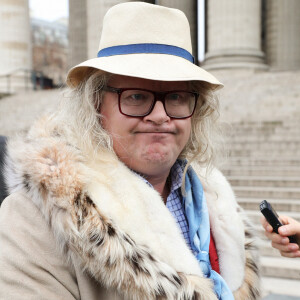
column 85, row 26
column 233, row 34
column 96, row 9
column 189, row 7
column 283, row 34
column 77, row 32
column 15, row 46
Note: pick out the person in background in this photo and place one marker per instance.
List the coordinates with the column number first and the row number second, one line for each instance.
column 3, row 188
column 280, row 241
column 116, row 195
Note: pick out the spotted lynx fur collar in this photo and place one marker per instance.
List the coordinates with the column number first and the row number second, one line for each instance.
column 118, row 229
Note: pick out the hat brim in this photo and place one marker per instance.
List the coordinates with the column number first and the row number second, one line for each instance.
column 161, row 67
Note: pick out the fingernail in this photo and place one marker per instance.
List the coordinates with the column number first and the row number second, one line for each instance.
column 282, row 230
column 293, row 247
column 285, row 241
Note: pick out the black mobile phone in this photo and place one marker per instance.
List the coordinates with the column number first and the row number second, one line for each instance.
column 272, row 217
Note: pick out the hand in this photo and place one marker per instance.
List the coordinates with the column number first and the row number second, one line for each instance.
column 280, row 241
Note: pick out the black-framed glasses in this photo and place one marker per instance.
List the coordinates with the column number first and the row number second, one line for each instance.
column 136, row 102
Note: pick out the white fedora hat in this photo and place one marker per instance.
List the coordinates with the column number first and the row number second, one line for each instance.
column 147, row 41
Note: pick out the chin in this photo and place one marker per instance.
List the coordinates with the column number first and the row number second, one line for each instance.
column 157, row 164
column 156, row 157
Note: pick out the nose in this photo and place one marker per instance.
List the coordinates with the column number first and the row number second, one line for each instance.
column 158, row 114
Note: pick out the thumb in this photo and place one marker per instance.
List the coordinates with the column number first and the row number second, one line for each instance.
column 287, row 230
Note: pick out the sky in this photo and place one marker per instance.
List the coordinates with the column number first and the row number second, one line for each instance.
column 49, row 10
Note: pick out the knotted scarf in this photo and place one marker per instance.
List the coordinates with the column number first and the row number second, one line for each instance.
column 199, row 231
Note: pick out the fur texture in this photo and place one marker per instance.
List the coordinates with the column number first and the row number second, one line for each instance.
column 118, row 229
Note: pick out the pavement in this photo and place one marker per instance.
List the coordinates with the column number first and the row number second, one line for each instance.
column 19, row 111
column 280, row 297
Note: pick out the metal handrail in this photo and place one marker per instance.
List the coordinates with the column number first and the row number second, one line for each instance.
column 32, row 77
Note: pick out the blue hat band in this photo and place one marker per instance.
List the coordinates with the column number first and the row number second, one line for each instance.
column 146, row 48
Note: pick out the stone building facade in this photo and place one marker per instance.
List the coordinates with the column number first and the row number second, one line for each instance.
column 256, row 34
column 85, row 24
column 49, row 52
column 33, row 52
column 15, row 46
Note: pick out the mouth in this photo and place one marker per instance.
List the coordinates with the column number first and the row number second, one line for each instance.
column 155, row 132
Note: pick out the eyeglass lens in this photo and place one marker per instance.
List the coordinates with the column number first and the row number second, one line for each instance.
column 178, row 104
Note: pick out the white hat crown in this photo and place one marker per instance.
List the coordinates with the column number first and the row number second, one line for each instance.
column 146, row 41
column 139, row 23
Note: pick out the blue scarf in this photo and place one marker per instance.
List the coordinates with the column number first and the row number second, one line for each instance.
column 199, row 231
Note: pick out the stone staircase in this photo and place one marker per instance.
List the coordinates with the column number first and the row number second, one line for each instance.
column 264, row 163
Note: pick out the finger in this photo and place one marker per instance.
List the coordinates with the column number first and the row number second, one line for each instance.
column 284, row 220
column 290, row 254
column 285, row 230
column 263, row 220
column 266, row 225
column 269, row 228
column 291, row 247
column 290, row 229
column 276, row 238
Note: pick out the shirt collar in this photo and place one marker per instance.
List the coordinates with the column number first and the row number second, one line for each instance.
column 176, row 174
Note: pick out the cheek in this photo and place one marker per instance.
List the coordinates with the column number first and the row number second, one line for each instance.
column 119, row 127
column 186, row 131
column 106, row 111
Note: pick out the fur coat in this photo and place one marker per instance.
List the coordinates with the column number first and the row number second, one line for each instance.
column 117, row 229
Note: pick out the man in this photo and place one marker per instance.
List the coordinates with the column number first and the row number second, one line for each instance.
column 105, row 186
column 3, row 192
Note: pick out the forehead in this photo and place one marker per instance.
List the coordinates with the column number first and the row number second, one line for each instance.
column 119, row 81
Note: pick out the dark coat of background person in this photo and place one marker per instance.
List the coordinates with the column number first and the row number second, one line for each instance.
column 3, row 191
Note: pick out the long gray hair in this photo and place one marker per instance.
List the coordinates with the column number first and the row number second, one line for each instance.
column 80, row 113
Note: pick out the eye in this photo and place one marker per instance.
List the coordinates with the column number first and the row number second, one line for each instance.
column 137, row 97
column 177, row 98
column 174, row 96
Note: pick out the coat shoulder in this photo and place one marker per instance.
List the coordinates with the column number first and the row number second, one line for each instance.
column 33, row 263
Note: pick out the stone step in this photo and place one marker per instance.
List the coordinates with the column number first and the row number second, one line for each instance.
column 267, row 192
column 263, row 160
column 261, row 237
column 261, row 136
column 278, row 204
column 280, row 267
column 255, row 216
column 270, row 126
column 265, row 248
column 265, row 181
column 266, row 126
column 254, row 127
column 261, row 131
column 274, row 153
column 265, row 144
column 284, row 137
column 263, row 242
column 280, row 288
column 258, row 171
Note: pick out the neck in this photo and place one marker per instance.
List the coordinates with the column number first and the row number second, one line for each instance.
column 160, row 184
